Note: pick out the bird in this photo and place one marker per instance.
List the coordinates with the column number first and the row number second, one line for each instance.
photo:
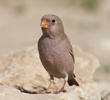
column 55, row 51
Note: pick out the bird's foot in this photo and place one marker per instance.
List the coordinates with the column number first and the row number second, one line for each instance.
column 47, row 91
column 61, row 90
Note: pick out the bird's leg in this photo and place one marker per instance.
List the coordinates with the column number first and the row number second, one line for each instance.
column 47, row 90
column 62, row 89
column 51, row 82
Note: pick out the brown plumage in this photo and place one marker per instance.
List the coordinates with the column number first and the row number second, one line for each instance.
column 55, row 50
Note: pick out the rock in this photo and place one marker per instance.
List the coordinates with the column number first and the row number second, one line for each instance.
column 10, row 93
column 23, row 70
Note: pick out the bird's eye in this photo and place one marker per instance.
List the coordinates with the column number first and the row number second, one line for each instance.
column 53, row 21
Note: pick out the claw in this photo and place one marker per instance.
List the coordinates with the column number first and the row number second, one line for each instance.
column 47, row 92
column 56, row 92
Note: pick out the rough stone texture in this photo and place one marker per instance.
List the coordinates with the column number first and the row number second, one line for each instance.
column 23, row 70
column 9, row 93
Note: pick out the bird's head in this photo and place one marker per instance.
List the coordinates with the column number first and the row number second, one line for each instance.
column 51, row 25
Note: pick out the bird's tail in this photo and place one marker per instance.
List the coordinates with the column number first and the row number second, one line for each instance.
column 73, row 81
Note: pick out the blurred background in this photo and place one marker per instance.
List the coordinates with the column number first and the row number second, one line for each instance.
column 86, row 22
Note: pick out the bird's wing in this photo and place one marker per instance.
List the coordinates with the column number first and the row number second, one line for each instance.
column 69, row 48
column 71, row 53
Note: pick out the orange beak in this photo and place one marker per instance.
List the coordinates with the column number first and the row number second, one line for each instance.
column 44, row 24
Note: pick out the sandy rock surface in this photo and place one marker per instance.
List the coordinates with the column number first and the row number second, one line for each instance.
column 22, row 70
